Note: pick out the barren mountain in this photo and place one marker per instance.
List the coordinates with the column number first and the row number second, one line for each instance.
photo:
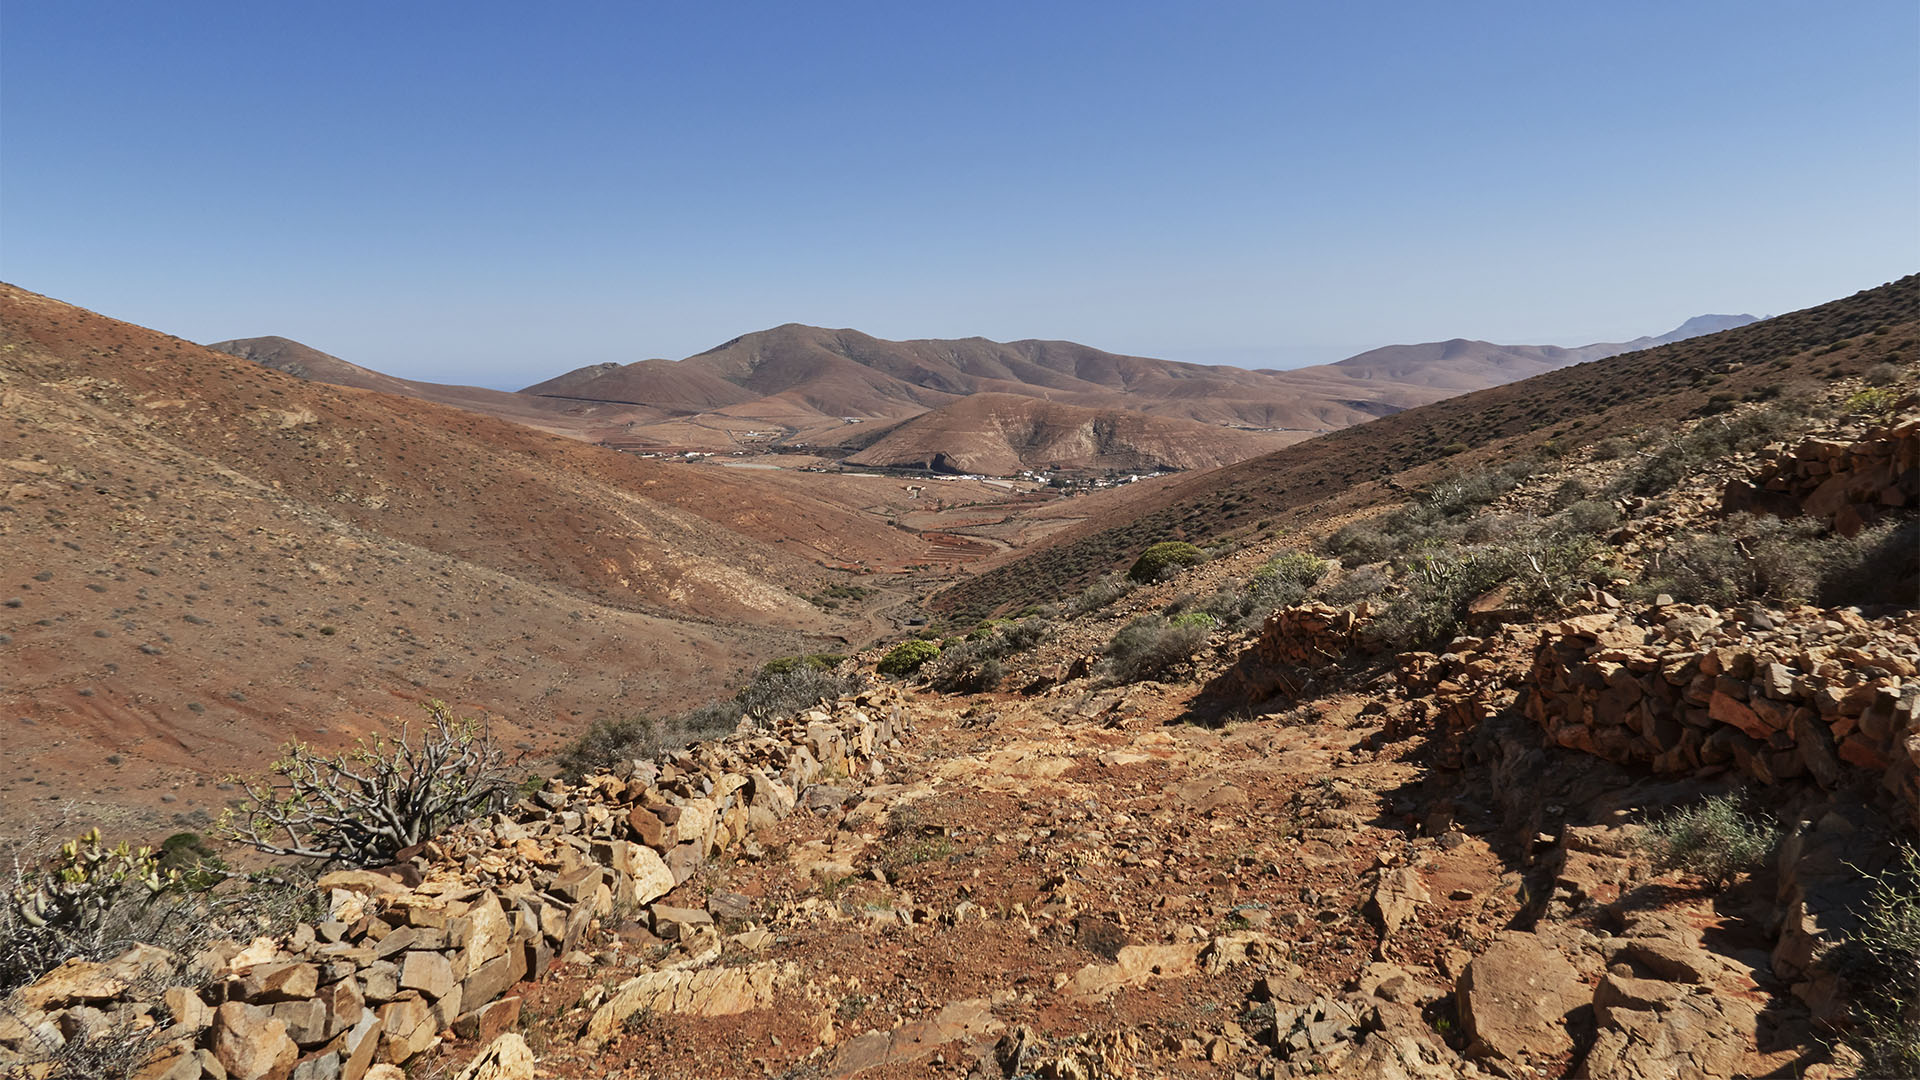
column 844, row 373
column 205, row 556
column 808, row 386
column 1001, row 434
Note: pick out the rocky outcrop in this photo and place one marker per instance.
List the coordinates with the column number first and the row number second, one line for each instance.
column 437, row 942
column 1846, row 482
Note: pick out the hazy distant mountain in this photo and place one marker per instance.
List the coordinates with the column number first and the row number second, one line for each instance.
column 1462, row 365
column 549, row 414
column 808, row 385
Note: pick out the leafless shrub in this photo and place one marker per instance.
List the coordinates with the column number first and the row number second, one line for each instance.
column 362, row 806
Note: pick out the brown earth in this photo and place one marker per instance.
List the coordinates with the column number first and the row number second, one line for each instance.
column 205, row 557
column 1002, row 434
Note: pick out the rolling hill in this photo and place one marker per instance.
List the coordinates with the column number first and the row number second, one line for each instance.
column 206, row 557
column 1001, row 434
column 799, row 385
column 1361, row 468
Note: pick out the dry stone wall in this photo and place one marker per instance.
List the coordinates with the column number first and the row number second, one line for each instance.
column 1828, row 696
column 1844, row 482
column 436, row 942
column 1314, row 636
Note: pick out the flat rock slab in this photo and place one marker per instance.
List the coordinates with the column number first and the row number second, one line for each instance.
column 712, row 992
column 912, row 1042
column 1514, row 999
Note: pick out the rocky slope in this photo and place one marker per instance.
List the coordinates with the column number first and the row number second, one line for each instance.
column 1375, row 862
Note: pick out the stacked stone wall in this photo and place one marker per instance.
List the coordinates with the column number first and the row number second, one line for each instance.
column 1828, row 696
column 437, row 941
column 1844, row 482
column 1314, row 636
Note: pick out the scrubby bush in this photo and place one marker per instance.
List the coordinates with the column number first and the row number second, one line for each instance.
column 1164, row 558
column 1879, row 565
column 1883, row 375
column 607, row 741
column 967, row 668
column 363, row 805
column 1151, row 646
column 1299, row 569
column 1612, row 449
column 907, row 657
column 1588, row 517
column 1714, row 839
column 1886, row 1015
column 1710, row 440
column 1099, row 594
column 786, row 689
column 1763, row 558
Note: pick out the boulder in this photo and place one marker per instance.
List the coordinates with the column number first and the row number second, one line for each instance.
column 506, row 1058
column 1515, row 997
column 252, row 1045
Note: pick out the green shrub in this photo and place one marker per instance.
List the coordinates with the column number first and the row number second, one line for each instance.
column 1164, row 558
column 1886, row 1012
column 974, row 665
column 1150, row 646
column 817, row 661
column 1714, row 840
column 1298, row 568
column 88, row 901
column 1875, row 401
column 907, row 657
column 1194, row 618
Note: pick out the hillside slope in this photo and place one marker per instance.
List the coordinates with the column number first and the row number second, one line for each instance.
column 1360, row 467
column 1001, row 434
column 570, row 418
column 207, row 556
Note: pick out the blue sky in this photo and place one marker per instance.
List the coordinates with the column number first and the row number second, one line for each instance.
column 492, row 193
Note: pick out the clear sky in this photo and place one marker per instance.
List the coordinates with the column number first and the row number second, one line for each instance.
column 492, row 192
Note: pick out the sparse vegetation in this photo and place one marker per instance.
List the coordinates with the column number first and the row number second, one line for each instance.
column 1151, row 646
column 363, row 805
column 784, row 688
column 1714, row 840
column 974, row 664
column 1685, row 455
column 1886, row 1032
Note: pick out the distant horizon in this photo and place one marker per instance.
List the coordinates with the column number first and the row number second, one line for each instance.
column 491, row 192
column 1251, row 356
